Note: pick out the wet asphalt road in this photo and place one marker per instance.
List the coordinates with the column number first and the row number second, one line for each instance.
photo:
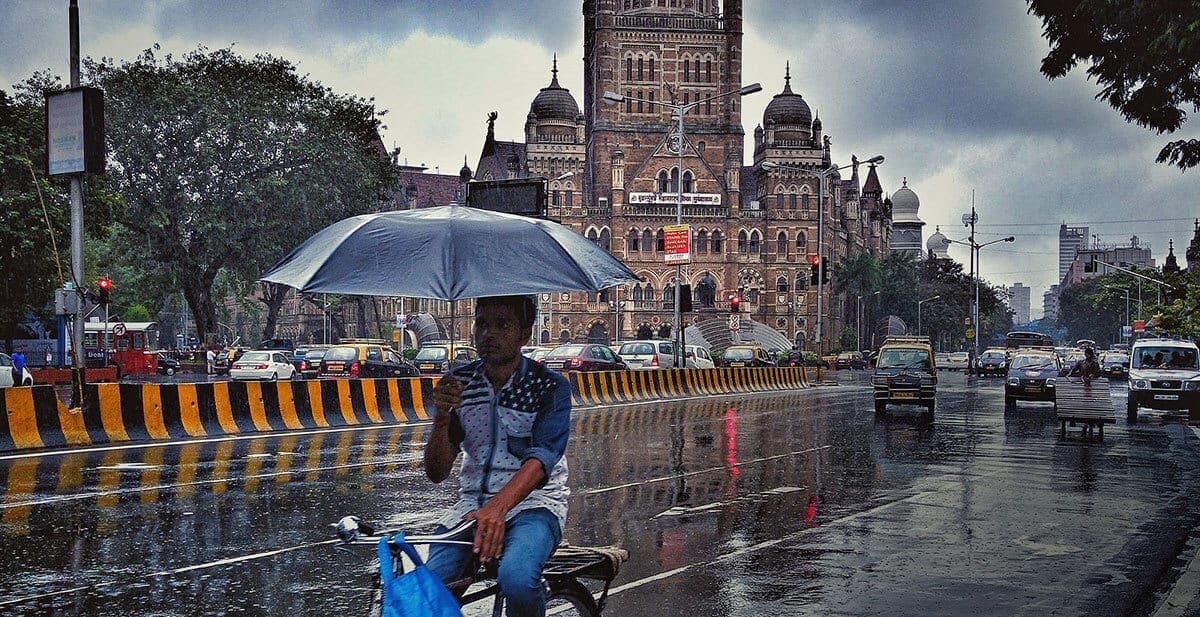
column 780, row 504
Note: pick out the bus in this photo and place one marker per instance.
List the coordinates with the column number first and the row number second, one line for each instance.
column 131, row 346
column 1028, row 339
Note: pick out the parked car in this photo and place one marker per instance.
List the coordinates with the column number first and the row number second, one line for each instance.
column 6, row 373
column 698, row 357
column 850, row 360
column 648, row 354
column 956, row 361
column 1164, row 374
column 941, row 358
column 540, row 353
column 226, row 357
column 361, row 360
column 583, row 357
column 308, row 360
column 437, row 359
column 737, row 356
column 270, row 365
column 1115, row 366
column 992, row 362
column 905, row 374
column 1032, row 376
column 167, row 365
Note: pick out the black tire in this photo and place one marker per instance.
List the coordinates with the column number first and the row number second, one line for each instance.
column 570, row 597
column 931, row 405
column 1009, row 402
column 880, row 408
column 1131, row 410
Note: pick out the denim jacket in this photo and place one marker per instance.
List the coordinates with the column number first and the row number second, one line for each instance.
column 529, row 418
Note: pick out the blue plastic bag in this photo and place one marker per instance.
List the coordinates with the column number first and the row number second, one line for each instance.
column 419, row 593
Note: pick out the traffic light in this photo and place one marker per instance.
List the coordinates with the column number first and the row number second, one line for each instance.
column 815, row 264
column 735, row 303
column 824, row 270
column 105, row 286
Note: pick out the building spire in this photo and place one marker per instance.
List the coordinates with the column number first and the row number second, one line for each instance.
column 554, row 72
column 787, row 77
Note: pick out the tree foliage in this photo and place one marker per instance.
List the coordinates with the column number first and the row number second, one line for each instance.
column 1144, row 55
column 1095, row 308
column 227, row 163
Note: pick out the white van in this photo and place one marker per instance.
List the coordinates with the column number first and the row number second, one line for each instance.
column 648, row 354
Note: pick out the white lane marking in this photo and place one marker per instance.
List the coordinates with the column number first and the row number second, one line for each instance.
column 220, row 562
column 617, row 487
column 684, row 511
column 761, row 545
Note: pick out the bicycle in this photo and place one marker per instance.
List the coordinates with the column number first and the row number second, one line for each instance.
column 565, row 594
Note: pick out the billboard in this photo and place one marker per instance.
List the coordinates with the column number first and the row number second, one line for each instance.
column 75, row 131
column 524, row 196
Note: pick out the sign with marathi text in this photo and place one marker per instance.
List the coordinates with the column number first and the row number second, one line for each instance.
column 677, row 245
column 688, row 199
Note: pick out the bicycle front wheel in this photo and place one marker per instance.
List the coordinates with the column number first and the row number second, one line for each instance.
column 570, row 598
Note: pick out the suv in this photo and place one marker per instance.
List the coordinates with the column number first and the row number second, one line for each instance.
column 648, row 354
column 1031, row 377
column 439, row 358
column 1164, row 374
column 362, row 360
column 737, row 356
column 992, row 362
column 905, row 373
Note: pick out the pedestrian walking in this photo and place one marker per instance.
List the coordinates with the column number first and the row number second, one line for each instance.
column 18, row 359
column 210, row 358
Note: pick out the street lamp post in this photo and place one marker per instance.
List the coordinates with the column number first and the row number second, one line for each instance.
column 822, row 175
column 616, row 305
column 679, row 109
column 976, row 270
column 919, row 303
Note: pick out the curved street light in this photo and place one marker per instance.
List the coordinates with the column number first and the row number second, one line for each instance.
column 919, row 303
column 679, row 110
column 975, row 247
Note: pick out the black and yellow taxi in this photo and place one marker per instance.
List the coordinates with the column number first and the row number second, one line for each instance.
column 905, row 373
column 359, row 360
column 439, row 358
column 739, row 356
column 1032, row 374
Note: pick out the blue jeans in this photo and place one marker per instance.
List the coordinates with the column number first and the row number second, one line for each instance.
column 529, row 539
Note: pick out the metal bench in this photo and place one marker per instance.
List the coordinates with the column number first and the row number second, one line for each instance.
column 1086, row 404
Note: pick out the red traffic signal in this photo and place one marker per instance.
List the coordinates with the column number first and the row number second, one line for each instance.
column 814, row 261
column 735, row 303
column 105, row 285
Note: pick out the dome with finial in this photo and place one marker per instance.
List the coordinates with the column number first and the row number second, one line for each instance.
column 939, row 244
column 554, row 102
column 464, row 174
column 905, row 205
column 788, row 109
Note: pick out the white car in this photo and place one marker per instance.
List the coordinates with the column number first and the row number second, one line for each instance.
column 272, row 365
column 6, row 373
column 956, row 361
column 698, row 357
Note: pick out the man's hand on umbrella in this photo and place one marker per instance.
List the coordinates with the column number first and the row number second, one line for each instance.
column 447, row 396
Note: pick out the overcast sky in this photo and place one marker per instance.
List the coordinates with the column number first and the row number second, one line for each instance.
column 948, row 91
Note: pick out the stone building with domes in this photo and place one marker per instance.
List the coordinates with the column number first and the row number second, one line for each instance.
column 614, row 175
column 906, row 225
column 938, row 245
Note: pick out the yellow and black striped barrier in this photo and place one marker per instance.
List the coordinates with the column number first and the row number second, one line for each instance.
column 35, row 417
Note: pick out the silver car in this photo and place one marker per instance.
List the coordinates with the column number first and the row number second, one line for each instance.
column 648, row 354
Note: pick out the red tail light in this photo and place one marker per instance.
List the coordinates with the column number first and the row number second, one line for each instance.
column 574, row 362
column 354, row 369
column 654, row 360
column 259, row 367
column 303, row 365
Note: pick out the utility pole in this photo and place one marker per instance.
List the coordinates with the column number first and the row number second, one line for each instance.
column 78, row 364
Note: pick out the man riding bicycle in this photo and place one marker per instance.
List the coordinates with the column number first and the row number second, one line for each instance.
column 510, row 417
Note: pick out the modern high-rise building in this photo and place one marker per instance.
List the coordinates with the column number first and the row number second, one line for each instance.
column 1018, row 301
column 1071, row 240
column 1050, row 304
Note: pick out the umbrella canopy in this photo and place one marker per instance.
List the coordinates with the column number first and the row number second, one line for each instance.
column 447, row 253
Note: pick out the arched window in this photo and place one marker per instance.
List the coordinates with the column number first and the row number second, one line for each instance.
column 675, row 180
column 755, row 242
column 791, row 202
column 753, row 295
column 647, row 241
column 702, row 242
column 801, row 280
column 804, row 201
column 660, row 241
column 779, row 198
column 593, row 236
column 781, row 243
column 717, row 244
column 743, row 242
column 605, row 240
column 781, row 285
column 688, row 181
column 629, row 68
column 651, row 68
column 801, row 242
column 687, row 69
column 663, row 182
column 631, row 242
column 641, row 67
column 708, row 71
column 649, row 295
column 637, row 293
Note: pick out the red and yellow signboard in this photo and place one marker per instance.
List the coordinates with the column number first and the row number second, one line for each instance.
column 677, row 244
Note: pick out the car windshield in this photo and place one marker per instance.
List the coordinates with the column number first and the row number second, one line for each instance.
column 1116, row 358
column 734, row 353
column 992, row 355
column 1032, row 362
column 256, row 356
column 1164, row 357
column 341, row 354
column 903, row 358
column 315, row 354
column 565, row 351
column 632, row 349
column 432, row 353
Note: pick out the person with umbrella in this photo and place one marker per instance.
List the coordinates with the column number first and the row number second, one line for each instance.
column 514, row 475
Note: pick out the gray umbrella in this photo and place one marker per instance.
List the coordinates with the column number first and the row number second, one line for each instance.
column 447, row 253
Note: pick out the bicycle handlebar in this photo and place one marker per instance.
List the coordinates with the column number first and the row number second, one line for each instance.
column 350, row 531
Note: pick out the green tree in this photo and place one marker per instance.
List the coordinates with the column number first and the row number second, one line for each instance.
column 227, row 163
column 848, row 339
column 908, row 279
column 1145, row 56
